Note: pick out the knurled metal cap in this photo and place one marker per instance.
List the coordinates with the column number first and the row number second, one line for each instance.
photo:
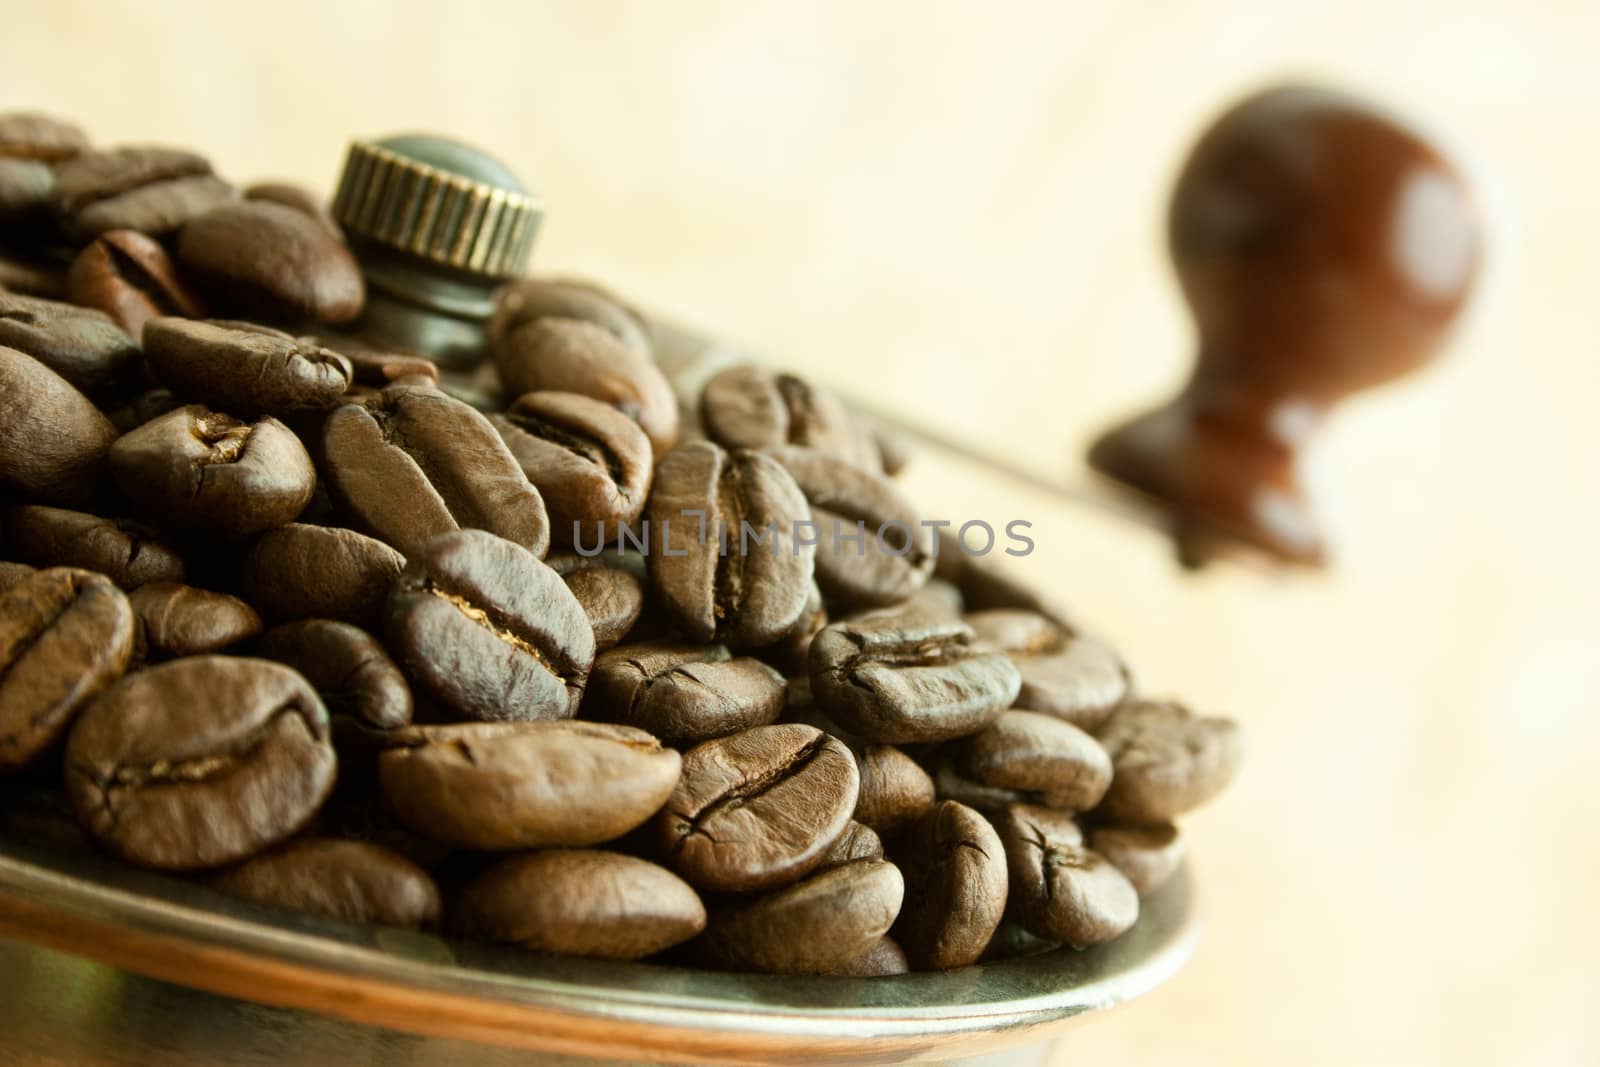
column 440, row 201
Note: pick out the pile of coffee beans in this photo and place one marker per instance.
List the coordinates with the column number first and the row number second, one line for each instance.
column 293, row 615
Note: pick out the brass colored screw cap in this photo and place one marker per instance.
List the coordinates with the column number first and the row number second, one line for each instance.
column 437, row 226
column 440, row 201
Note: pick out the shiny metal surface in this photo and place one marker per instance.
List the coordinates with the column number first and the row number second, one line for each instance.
column 286, row 989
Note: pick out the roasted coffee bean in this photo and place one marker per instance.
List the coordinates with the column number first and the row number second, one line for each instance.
column 411, row 464
column 201, row 471
column 1036, row 753
column 297, row 197
column 320, row 572
column 82, row 345
column 1064, row 674
column 758, row 809
column 376, row 366
column 950, row 784
column 348, row 880
column 145, row 406
column 591, row 463
column 27, row 194
column 611, row 596
column 875, row 549
column 571, row 356
column 754, row 592
column 1166, row 760
column 753, row 407
column 527, row 300
column 955, row 860
column 129, row 553
column 180, row 620
column 131, row 278
column 265, row 258
column 580, row 903
column 1147, row 855
column 65, row 635
column 12, row 573
column 1059, row 889
column 883, row 960
column 816, row 926
column 896, row 678
column 347, row 667
column 152, row 190
column 53, row 442
column 895, row 790
column 30, row 135
column 858, row 842
column 200, row 762
column 683, row 693
column 791, row 654
column 244, row 370
column 490, row 631
column 512, row 785
column 29, row 275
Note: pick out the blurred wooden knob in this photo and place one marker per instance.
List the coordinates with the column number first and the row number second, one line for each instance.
column 1323, row 248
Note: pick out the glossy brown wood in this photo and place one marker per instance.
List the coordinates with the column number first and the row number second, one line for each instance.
column 1324, row 248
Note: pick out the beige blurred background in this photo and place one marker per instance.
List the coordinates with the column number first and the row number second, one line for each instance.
column 955, row 208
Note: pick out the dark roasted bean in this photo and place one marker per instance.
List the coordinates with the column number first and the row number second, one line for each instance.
column 347, row 667
column 747, row 406
column 65, row 635
column 581, row 903
column 319, row 572
column 201, row 471
column 611, row 595
column 180, row 620
column 1030, row 752
column 819, row 925
column 512, row 785
column 244, row 370
column 1059, row 889
column 896, row 678
column 683, row 693
column 412, row 463
column 152, row 190
column 200, row 762
column 298, row 197
column 754, row 592
column 758, row 809
column 53, row 442
column 889, row 554
column 955, row 860
column 591, row 464
column 1147, row 855
column 266, row 258
column 1064, row 674
column 895, row 791
column 132, row 279
column 1166, row 760
column 489, row 630
column 571, row 356
column 527, row 300
column 129, row 553
column 348, row 880
column 82, row 345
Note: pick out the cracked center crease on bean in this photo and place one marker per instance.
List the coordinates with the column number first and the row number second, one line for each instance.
column 480, row 617
column 692, row 823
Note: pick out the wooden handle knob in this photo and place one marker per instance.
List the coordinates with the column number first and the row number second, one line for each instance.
column 1323, row 248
